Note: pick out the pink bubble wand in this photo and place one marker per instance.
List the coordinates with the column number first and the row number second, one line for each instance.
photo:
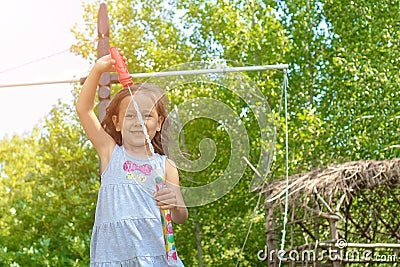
column 126, row 81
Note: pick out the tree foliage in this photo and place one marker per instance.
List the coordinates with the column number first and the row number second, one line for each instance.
column 48, row 192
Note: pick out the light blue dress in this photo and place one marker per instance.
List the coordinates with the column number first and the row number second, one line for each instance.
column 127, row 230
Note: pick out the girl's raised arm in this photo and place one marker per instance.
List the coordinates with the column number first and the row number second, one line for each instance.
column 101, row 140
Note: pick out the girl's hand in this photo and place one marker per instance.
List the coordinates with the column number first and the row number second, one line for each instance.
column 107, row 64
column 165, row 199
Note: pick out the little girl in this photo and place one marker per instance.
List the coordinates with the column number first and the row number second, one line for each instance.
column 128, row 230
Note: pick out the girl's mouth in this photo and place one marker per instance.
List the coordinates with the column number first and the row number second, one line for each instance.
column 136, row 132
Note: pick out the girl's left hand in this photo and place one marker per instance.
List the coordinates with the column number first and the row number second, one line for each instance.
column 165, row 199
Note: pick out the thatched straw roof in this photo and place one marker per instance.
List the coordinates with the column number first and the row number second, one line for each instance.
column 336, row 183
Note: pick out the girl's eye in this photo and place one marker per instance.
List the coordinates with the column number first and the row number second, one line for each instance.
column 129, row 116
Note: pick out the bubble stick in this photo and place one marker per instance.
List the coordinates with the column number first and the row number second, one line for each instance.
column 167, row 227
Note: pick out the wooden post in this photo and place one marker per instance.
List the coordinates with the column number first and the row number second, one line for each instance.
column 316, row 231
column 270, row 235
column 335, row 236
column 103, row 48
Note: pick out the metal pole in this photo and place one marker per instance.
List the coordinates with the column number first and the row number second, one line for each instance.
column 165, row 74
column 205, row 71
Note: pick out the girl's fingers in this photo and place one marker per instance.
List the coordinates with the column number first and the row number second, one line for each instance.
column 163, row 192
column 167, row 207
column 166, row 202
column 165, row 199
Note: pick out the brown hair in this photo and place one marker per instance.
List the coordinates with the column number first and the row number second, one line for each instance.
column 161, row 106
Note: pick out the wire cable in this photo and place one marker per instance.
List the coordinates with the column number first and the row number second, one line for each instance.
column 33, row 61
column 287, row 169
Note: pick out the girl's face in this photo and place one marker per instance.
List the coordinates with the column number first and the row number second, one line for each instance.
column 129, row 125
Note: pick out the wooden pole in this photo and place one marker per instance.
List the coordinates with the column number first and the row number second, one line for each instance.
column 103, row 48
column 270, row 234
column 335, row 236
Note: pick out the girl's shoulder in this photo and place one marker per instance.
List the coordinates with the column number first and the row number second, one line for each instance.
column 169, row 163
column 166, row 161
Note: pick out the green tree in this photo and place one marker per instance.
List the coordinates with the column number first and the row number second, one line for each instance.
column 49, row 183
column 364, row 69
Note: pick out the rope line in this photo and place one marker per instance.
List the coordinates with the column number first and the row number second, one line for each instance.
column 285, row 86
column 33, row 61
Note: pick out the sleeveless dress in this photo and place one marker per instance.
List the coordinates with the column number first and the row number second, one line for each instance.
column 127, row 230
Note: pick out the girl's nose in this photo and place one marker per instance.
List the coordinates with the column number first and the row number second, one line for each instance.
column 136, row 122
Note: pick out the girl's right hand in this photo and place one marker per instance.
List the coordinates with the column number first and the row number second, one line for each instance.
column 104, row 64
column 107, row 64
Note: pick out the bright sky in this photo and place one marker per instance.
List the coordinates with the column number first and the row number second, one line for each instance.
column 32, row 30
